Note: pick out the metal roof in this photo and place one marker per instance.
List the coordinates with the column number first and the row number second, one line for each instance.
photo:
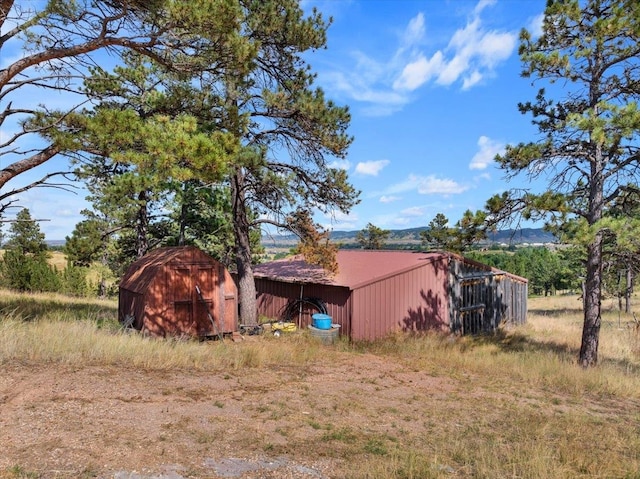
column 356, row 268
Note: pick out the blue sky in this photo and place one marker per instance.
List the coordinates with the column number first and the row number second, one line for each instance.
column 433, row 88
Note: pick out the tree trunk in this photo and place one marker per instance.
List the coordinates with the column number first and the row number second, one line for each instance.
column 142, row 226
column 183, row 223
column 241, row 229
column 592, row 317
column 629, row 290
column 593, row 280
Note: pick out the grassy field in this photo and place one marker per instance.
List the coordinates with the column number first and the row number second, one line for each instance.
column 514, row 404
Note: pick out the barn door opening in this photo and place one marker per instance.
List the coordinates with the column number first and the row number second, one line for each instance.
column 477, row 304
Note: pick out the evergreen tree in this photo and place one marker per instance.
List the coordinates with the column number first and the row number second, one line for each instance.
column 372, row 237
column 437, row 236
column 60, row 40
column 25, row 236
column 469, row 230
column 588, row 153
column 287, row 129
column 85, row 244
column 24, row 266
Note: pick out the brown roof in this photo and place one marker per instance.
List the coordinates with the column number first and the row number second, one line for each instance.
column 355, row 267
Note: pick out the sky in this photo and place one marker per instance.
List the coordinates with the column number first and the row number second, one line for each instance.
column 432, row 87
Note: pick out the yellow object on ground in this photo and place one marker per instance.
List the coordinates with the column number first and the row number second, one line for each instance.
column 283, row 327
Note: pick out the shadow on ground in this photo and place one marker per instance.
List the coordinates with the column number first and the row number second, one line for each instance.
column 514, row 342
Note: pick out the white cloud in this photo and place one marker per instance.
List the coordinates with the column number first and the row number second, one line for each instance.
column 418, row 72
column 340, row 164
column 371, row 168
column 431, row 185
column 66, row 213
column 471, row 55
column 427, row 185
column 414, row 32
column 365, row 88
column 482, row 4
column 482, row 177
column 471, row 80
column 414, row 212
column 535, row 26
column 487, row 151
column 384, row 85
column 389, row 198
column 336, row 219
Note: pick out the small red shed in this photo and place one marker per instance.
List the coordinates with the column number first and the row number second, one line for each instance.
column 178, row 291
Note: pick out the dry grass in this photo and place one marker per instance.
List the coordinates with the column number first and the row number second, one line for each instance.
column 516, row 404
column 50, row 327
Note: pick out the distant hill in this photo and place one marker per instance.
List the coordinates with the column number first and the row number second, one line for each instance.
column 55, row 243
column 524, row 235
column 409, row 236
column 412, row 236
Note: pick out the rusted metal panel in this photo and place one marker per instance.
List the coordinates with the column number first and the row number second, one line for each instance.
column 161, row 292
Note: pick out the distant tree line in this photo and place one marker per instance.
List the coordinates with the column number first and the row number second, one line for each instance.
column 547, row 271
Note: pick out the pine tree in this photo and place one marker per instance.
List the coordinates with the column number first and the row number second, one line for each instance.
column 372, row 237
column 25, row 236
column 60, row 40
column 588, row 153
column 24, row 265
column 287, row 129
column 437, row 236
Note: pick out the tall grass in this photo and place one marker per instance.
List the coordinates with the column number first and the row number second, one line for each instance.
column 516, row 404
column 49, row 327
column 53, row 328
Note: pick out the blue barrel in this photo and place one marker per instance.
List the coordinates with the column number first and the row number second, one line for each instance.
column 321, row 321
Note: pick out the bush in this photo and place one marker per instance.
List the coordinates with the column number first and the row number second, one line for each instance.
column 33, row 274
column 74, row 280
column 29, row 273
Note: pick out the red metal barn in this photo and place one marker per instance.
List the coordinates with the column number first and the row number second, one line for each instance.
column 159, row 294
column 376, row 293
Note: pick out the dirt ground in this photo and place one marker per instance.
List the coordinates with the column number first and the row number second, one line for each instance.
column 59, row 421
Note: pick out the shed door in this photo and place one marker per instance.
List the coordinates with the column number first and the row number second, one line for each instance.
column 183, row 300
column 208, row 305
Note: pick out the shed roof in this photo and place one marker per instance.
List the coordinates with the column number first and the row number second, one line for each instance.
column 143, row 271
column 356, row 268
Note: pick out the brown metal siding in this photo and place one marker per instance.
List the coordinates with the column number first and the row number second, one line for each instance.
column 413, row 300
